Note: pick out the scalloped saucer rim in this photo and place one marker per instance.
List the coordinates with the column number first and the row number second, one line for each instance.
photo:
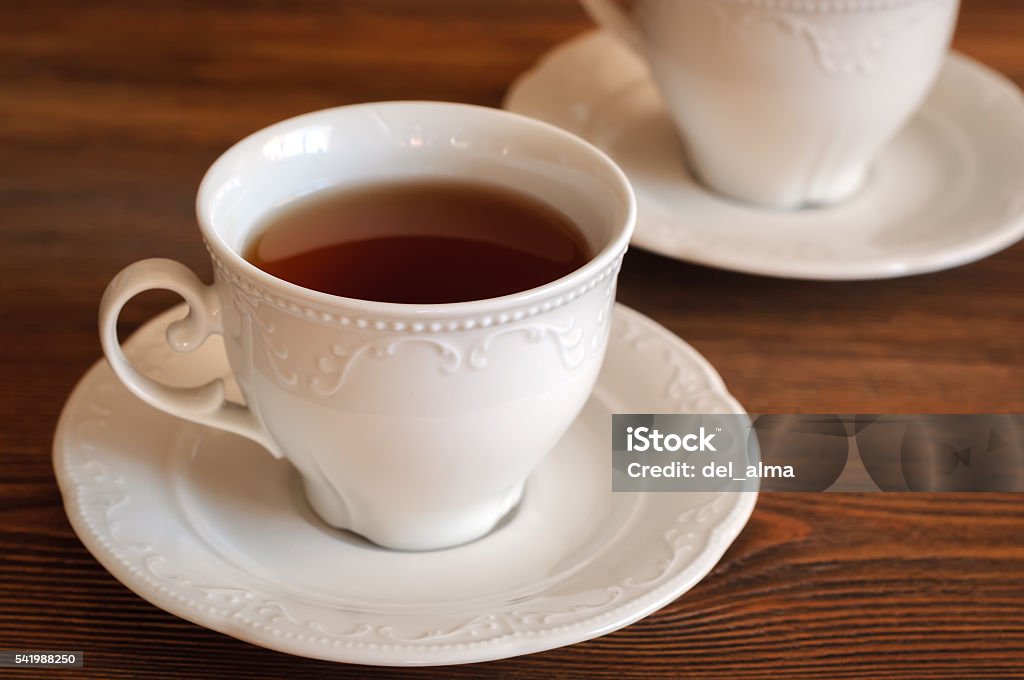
column 944, row 193
column 160, row 505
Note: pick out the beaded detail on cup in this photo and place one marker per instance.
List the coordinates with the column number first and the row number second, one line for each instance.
column 392, row 324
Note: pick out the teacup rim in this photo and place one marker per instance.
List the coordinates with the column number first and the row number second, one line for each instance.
column 598, row 267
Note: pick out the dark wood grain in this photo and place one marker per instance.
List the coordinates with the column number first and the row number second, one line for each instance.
column 111, row 111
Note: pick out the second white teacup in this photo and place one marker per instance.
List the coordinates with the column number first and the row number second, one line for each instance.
column 413, row 425
column 786, row 103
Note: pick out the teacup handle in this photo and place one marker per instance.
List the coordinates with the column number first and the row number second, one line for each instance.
column 204, row 404
column 610, row 17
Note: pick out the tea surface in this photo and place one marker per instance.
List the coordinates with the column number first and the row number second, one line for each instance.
column 419, row 242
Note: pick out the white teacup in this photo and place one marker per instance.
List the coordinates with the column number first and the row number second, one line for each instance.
column 786, row 103
column 413, row 425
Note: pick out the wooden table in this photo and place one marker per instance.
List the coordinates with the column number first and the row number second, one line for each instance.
column 110, row 111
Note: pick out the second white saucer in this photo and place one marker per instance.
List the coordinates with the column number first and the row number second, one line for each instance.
column 948, row 190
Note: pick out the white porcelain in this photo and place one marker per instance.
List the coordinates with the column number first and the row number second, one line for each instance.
column 949, row 189
column 204, row 525
column 786, row 103
column 413, row 425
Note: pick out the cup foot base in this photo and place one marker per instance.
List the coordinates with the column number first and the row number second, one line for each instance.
column 809, row 195
column 419, row 532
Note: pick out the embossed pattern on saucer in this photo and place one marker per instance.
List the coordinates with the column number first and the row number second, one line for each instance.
column 161, row 504
column 948, row 190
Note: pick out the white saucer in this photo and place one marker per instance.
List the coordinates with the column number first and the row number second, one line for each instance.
column 947, row 191
column 163, row 506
